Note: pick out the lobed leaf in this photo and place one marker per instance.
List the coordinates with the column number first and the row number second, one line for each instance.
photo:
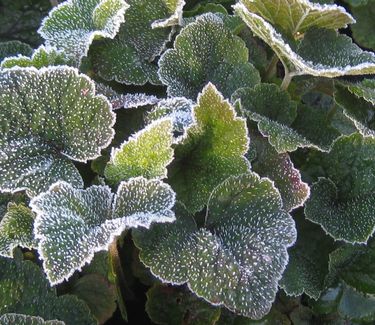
column 175, row 12
column 47, row 116
column 336, row 56
column 11, row 319
column 237, row 258
column 206, row 51
column 13, row 48
column 72, row 224
column 74, row 24
column 212, row 149
column 146, row 154
column 342, row 202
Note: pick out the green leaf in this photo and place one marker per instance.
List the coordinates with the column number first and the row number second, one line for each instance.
column 174, row 10
column 72, row 224
column 13, row 48
column 146, row 154
column 237, row 258
column 365, row 89
column 295, row 17
column 16, row 229
column 363, row 29
column 342, row 201
column 213, row 149
column 280, row 169
column 48, row 116
column 308, row 261
column 24, row 290
column 74, row 24
column 206, row 51
column 175, row 305
column 99, row 295
column 42, row 57
column 136, row 45
column 336, row 56
column 12, row 319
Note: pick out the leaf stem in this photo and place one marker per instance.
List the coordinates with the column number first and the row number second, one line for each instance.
column 271, row 69
column 287, row 79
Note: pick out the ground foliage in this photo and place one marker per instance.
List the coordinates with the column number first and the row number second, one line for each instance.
column 187, row 162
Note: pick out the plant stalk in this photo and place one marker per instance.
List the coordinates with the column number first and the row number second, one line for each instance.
column 286, row 81
column 271, row 69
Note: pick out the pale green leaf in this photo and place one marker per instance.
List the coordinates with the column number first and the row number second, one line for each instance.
column 213, row 148
column 295, row 17
column 47, row 116
column 41, row 57
column 237, row 258
column 16, row 229
column 14, row 48
column 206, row 51
column 72, row 224
column 146, row 154
column 336, row 55
column 342, row 202
column 25, row 290
column 129, row 57
column 19, row 319
column 73, row 25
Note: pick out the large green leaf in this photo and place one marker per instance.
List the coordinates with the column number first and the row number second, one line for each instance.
column 146, row 154
column 295, row 17
column 342, row 202
column 336, row 55
column 16, row 229
column 48, row 116
column 19, row 319
column 213, row 148
column 363, row 30
column 72, row 224
column 74, row 24
column 24, row 290
column 206, row 51
column 136, row 45
column 237, row 258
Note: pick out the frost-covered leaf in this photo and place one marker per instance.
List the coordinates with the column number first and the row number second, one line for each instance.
column 74, row 24
column 342, row 202
column 295, row 17
column 146, row 154
column 24, row 290
column 336, row 56
column 363, row 30
column 48, row 116
column 14, row 48
column 308, row 261
column 206, row 50
column 19, row 319
column 212, row 149
column 129, row 57
column 174, row 10
column 72, row 224
column 41, row 57
column 178, row 109
column 16, row 229
column 280, row 169
column 176, row 305
column 365, row 89
column 237, row 258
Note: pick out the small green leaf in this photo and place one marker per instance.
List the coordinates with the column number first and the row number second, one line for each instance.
column 237, row 258
column 342, row 202
column 295, row 17
column 336, row 55
column 48, row 116
column 365, row 26
column 72, row 224
column 16, row 229
column 136, row 45
column 24, row 290
column 74, row 24
column 213, row 149
column 42, row 57
column 176, row 305
column 206, row 51
column 14, row 48
column 146, row 154
column 18, row 319
column 175, row 12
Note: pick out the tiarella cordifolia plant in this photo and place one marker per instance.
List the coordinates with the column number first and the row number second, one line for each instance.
column 215, row 157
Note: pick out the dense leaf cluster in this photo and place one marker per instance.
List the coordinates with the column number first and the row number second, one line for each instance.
column 207, row 162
